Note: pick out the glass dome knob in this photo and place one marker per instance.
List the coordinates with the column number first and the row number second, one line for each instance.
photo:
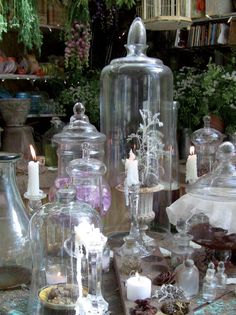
column 225, row 151
column 137, row 33
column 79, row 112
column 207, row 121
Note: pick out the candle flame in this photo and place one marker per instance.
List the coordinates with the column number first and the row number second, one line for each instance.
column 58, row 274
column 192, row 150
column 32, row 151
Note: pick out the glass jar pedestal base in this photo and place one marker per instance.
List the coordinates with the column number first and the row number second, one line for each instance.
column 141, row 214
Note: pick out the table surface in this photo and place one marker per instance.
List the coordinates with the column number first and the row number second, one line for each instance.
column 224, row 304
column 17, row 299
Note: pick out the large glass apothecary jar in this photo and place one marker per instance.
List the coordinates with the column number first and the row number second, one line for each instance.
column 55, row 284
column 135, row 90
column 70, row 141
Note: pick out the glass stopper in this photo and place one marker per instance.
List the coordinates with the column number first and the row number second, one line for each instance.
column 207, row 121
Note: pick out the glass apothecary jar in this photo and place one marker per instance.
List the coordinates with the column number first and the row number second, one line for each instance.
column 49, row 147
column 55, row 284
column 15, row 260
column 87, row 175
column 206, row 141
column 70, row 141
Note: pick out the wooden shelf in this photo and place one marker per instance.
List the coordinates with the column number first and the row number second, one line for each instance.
column 167, row 23
column 214, row 18
column 29, row 77
column 45, row 115
column 52, row 27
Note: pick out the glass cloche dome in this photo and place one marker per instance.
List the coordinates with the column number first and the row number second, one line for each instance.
column 54, row 286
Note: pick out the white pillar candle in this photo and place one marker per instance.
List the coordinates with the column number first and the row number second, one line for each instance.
column 33, row 175
column 191, row 167
column 138, row 287
column 131, row 167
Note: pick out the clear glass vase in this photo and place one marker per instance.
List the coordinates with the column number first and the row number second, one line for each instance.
column 15, row 261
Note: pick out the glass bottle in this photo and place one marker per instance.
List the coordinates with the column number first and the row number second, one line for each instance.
column 130, row 86
column 129, row 256
column 52, row 237
column 221, row 275
column 206, row 141
column 49, row 147
column 187, row 278
column 209, row 284
column 15, row 261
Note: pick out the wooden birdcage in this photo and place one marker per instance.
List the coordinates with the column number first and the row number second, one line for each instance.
column 166, row 14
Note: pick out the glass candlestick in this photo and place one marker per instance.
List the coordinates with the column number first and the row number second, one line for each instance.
column 34, row 202
column 132, row 194
column 93, row 242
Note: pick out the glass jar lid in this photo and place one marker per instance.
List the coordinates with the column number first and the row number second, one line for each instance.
column 79, row 129
column 6, row 156
column 220, row 183
column 207, row 135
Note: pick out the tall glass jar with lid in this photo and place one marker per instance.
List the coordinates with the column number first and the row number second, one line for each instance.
column 70, row 141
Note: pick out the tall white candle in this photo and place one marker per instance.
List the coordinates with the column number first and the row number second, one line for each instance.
column 138, row 287
column 131, row 167
column 191, row 167
column 33, row 175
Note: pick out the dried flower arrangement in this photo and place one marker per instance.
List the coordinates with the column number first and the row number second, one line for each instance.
column 148, row 146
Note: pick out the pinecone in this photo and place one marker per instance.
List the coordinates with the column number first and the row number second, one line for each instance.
column 143, row 307
column 164, row 278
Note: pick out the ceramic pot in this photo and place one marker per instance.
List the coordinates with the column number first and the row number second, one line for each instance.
column 14, row 111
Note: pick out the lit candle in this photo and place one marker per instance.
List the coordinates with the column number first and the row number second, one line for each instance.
column 131, row 167
column 138, row 287
column 54, row 275
column 191, row 167
column 33, row 175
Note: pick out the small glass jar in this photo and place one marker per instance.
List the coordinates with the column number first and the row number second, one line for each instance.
column 130, row 256
column 187, row 278
column 87, row 176
column 206, row 141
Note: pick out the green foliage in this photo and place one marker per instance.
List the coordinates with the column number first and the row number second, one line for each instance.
column 188, row 92
column 22, row 16
column 84, row 88
column 211, row 91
